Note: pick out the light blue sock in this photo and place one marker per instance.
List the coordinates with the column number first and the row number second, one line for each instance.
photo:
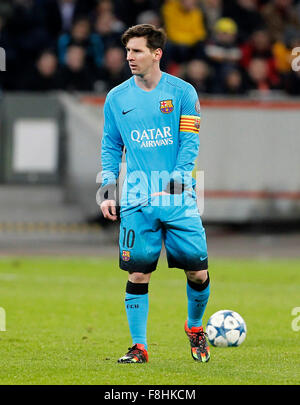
column 197, row 301
column 137, row 306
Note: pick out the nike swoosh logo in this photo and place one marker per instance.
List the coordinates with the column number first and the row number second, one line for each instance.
column 129, row 299
column 126, row 112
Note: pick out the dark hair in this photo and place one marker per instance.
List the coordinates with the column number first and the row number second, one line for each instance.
column 46, row 51
column 79, row 19
column 156, row 37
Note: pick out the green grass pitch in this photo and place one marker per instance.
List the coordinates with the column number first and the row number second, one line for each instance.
column 66, row 323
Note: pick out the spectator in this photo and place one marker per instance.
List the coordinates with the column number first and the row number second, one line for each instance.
column 81, row 35
column 114, row 70
column 75, row 74
column 212, row 10
column 59, row 15
column 128, row 10
column 107, row 8
column 282, row 50
column 280, row 15
column 259, row 46
column 184, row 23
column 258, row 76
column 149, row 17
column 246, row 16
column 25, row 30
column 104, row 6
column 234, row 83
column 44, row 76
column 108, row 27
column 197, row 73
column 222, row 51
column 259, row 35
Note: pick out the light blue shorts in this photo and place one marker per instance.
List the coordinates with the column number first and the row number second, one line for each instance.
column 179, row 226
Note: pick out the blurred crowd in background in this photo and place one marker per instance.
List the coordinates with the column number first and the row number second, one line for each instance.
column 229, row 47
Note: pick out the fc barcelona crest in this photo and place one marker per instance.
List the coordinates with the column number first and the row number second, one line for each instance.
column 126, row 255
column 197, row 122
column 166, row 106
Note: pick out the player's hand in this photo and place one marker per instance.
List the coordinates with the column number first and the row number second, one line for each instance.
column 108, row 208
column 159, row 193
column 173, row 187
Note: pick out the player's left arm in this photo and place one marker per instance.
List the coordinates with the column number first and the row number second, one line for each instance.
column 181, row 177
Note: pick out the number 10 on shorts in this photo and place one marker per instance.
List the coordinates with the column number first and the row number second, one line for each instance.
column 128, row 238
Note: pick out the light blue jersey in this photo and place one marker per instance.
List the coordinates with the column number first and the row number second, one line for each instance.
column 159, row 131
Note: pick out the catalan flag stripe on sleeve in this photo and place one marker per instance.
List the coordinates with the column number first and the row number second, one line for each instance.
column 189, row 123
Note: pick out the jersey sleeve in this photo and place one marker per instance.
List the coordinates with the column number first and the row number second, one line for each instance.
column 188, row 137
column 112, row 148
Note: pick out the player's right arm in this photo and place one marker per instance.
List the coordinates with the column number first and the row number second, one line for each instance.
column 111, row 157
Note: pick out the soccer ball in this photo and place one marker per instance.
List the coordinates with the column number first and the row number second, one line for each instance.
column 226, row 328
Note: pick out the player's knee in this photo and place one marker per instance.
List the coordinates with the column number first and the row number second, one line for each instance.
column 199, row 276
column 139, row 277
